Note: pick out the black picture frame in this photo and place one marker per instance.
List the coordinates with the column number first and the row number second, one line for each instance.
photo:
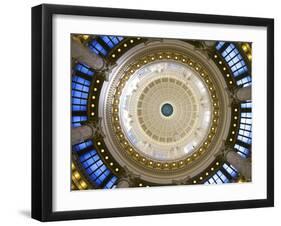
column 42, row 111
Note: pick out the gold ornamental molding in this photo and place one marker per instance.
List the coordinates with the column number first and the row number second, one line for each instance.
column 128, row 149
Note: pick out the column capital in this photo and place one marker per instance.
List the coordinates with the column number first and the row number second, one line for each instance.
column 206, row 48
column 96, row 127
column 127, row 179
column 106, row 71
column 147, row 42
column 123, row 182
column 226, row 150
column 210, row 44
column 222, row 149
column 182, row 181
column 129, row 174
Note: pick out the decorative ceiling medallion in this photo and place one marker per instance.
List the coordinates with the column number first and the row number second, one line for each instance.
column 165, row 110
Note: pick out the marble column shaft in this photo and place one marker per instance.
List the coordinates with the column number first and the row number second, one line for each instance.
column 84, row 55
column 123, row 183
column 244, row 93
column 81, row 133
column 243, row 165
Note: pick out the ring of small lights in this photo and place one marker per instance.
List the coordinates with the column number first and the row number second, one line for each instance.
column 125, row 144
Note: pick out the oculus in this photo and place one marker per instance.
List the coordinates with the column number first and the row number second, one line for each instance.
column 167, row 109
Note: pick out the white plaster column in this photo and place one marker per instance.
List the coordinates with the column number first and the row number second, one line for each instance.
column 243, row 165
column 81, row 133
column 84, row 55
column 210, row 43
column 244, row 93
column 123, row 183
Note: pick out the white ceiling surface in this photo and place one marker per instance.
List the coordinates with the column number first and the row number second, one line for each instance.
column 16, row 110
column 192, row 126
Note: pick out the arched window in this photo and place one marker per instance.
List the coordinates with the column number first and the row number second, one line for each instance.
column 96, row 47
column 101, row 45
column 111, row 183
column 83, row 68
column 244, row 138
column 244, row 133
column 81, row 82
column 226, row 174
column 219, row 45
column 246, row 81
column 235, row 62
column 80, row 91
column 217, row 178
column 82, row 146
column 93, row 165
column 111, row 41
column 230, row 170
column 245, row 129
column 241, row 150
column 76, row 120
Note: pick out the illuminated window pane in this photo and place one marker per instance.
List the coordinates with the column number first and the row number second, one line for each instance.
column 111, row 41
column 218, row 178
column 246, row 105
column 76, row 120
column 219, row 45
column 83, row 145
column 111, row 182
column 245, row 133
column 230, row 170
column 96, row 47
column 84, row 69
column 79, row 101
column 93, row 165
column 228, row 50
column 80, row 90
column 234, row 60
column 236, row 63
column 242, row 151
column 246, row 81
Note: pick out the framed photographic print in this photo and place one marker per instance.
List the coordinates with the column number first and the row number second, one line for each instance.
column 147, row 112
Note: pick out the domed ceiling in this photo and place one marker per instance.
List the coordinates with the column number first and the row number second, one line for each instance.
column 154, row 112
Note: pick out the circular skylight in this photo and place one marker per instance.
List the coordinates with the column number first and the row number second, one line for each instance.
column 167, row 109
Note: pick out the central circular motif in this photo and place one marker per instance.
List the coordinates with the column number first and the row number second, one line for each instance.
column 167, row 109
column 156, row 89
